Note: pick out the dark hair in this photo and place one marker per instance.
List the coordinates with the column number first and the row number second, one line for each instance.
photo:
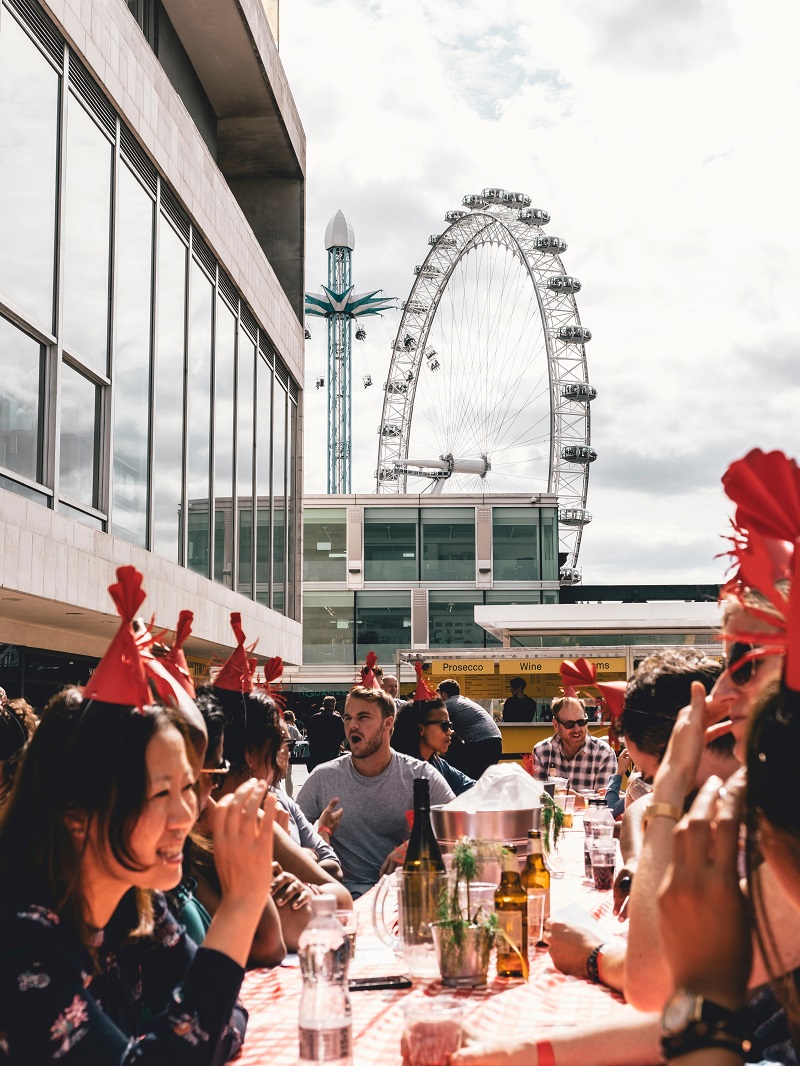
column 518, row 682
column 213, row 716
column 773, row 767
column 409, row 718
column 18, row 723
column 252, row 720
column 451, row 687
column 329, row 703
column 658, row 690
column 374, row 695
column 85, row 758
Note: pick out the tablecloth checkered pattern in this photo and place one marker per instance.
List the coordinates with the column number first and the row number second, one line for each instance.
column 547, row 1001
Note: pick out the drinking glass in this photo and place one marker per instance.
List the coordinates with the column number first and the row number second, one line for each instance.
column 349, row 920
column 432, row 1030
column 604, row 853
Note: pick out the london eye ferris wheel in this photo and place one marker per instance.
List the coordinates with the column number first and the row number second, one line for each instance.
column 488, row 388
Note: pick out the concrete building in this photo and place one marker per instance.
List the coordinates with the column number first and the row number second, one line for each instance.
column 152, row 167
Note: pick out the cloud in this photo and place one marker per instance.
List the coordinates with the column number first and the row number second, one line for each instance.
column 658, row 136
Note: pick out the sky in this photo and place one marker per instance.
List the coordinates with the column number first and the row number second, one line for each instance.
column 660, row 136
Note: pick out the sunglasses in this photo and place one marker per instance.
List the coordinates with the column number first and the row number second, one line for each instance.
column 218, row 773
column 444, row 724
column 579, row 723
column 743, row 673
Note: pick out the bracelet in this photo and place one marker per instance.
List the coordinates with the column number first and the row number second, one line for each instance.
column 544, row 1054
column 593, row 964
column 324, row 829
column 660, row 810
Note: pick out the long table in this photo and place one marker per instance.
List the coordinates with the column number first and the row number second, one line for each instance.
column 548, row 1000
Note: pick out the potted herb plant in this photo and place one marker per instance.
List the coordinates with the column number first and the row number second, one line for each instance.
column 552, row 822
column 465, row 932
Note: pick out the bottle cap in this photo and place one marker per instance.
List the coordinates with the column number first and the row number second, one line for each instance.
column 322, row 905
column 534, row 834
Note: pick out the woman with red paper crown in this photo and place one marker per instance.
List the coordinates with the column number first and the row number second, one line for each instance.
column 94, row 968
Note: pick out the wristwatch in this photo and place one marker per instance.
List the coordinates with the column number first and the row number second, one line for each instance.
column 691, row 1022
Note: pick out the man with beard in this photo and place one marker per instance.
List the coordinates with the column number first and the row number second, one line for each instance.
column 375, row 786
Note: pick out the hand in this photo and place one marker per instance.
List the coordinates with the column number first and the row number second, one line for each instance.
column 243, row 843
column 624, row 762
column 571, row 946
column 678, row 770
column 704, row 923
column 286, row 888
column 623, row 883
column 478, row 1051
column 282, row 819
column 394, row 859
column 329, row 819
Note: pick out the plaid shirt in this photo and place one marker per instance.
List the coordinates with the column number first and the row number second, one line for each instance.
column 590, row 769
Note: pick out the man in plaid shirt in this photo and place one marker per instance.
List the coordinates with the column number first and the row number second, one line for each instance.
column 586, row 762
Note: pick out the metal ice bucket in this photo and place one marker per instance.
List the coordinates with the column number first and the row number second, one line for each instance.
column 505, row 827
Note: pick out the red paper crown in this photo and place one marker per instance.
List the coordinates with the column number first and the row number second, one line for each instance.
column 766, row 547
column 368, row 678
column 237, row 672
column 174, row 662
column 120, row 676
column 583, row 674
column 272, row 672
column 423, row 691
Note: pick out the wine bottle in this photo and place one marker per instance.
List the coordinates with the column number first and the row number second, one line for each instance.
column 536, row 882
column 423, row 872
column 511, row 908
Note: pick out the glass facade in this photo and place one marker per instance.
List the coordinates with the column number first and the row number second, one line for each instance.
column 325, row 544
column 451, row 620
column 448, row 543
column 383, row 624
column 328, row 627
column 517, row 544
column 390, row 544
column 130, row 413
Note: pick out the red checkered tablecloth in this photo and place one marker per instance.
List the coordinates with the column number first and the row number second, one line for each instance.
column 548, row 1000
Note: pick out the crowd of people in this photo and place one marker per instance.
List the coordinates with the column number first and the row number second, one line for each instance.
column 151, row 849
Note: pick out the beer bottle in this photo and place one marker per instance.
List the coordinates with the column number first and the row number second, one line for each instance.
column 511, row 908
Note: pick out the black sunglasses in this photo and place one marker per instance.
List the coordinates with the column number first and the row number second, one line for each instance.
column 218, row 778
column 444, row 724
column 744, row 673
column 579, row 722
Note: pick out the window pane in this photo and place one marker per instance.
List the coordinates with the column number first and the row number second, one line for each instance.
column 168, row 421
column 28, row 151
column 20, row 408
column 198, row 427
column 383, row 624
column 448, row 543
column 328, row 627
column 515, row 531
column 549, row 544
column 390, row 544
column 86, row 238
column 278, row 489
column 509, row 598
column 132, row 360
column 77, row 467
column 244, row 459
column 452, row 620
column 263, row 470
column 324, row 544
column 224, row 429
column 291, row 514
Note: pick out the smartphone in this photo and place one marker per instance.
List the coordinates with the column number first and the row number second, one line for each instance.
column 373, row 984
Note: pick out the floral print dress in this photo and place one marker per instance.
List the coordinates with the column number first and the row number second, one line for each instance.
column 156, row 1001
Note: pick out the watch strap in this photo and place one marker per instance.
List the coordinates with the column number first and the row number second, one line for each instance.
column 593, row 964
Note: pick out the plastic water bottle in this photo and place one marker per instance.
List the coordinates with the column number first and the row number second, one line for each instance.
column 325, row 1021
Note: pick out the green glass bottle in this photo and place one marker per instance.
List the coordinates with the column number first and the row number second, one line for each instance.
column 423, row 872
column 511, row 908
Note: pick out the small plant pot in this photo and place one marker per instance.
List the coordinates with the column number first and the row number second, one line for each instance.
column 463, row 953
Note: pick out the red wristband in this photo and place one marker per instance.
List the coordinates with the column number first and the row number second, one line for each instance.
column 324, row 829
column 544, row 1054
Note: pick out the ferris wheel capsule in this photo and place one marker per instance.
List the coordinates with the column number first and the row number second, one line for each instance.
column 554, row 245
column 580, row 391
column 515, row 199
column 534, row 216
column 494, row 196
column 574, row 516
column 578, row 453
column 563, row 283
column 454, row 216
column 570, row 575
column 361, row 334
column 474, row 200
column 574, row 334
